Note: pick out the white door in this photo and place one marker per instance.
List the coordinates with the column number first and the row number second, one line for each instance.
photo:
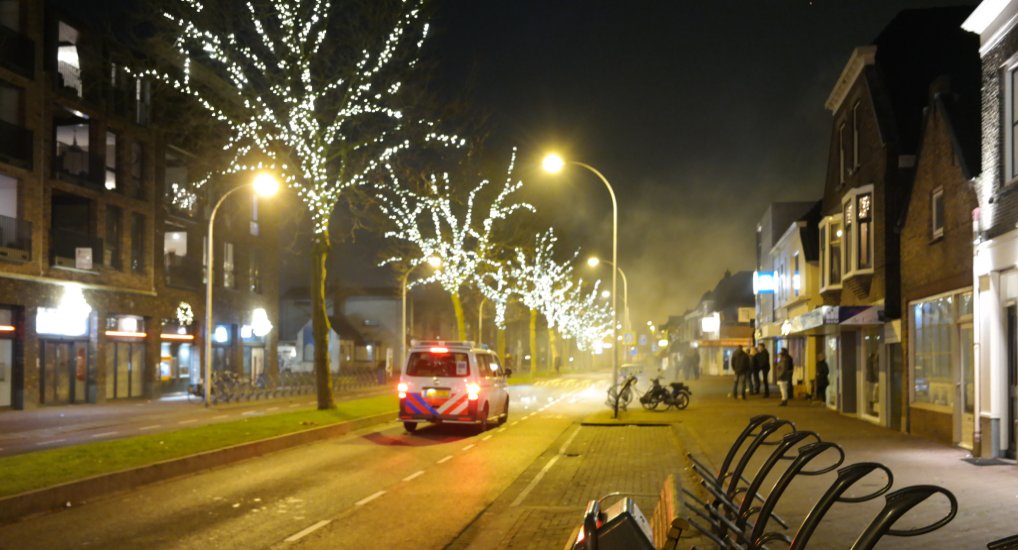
column 6, row 366
column 965, row 400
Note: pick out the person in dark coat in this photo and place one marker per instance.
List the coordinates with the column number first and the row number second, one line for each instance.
column 762, row 368
column 740, row 366
column 783, row 372
column 823, row 371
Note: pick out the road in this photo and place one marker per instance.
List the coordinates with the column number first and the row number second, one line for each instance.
column 377, row 488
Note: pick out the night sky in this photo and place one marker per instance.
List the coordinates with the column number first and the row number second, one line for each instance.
column 700, row 113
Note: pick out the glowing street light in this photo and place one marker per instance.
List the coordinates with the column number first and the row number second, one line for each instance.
column 265, row 185
column 554, row 164
column 435, row 262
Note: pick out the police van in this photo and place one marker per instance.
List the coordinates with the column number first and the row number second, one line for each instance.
column 452, row 382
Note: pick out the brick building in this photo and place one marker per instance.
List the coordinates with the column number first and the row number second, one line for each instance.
column 101, row 235
column 936, row 270
column 876, row 106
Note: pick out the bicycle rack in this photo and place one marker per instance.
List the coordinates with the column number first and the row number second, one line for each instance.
column 898, row 504
column 847, row 477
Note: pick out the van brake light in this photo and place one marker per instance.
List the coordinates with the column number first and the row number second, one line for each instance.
column 402, row 389
column 472, row 391
column 439, row 349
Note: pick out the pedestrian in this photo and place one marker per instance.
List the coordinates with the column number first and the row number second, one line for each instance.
column 822, row 373
column 762, row 367
column 754, row 376
column 558, row 364
column 740, row 366
column 783, row 373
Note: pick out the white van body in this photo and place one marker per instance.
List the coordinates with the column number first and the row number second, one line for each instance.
column 452, row 382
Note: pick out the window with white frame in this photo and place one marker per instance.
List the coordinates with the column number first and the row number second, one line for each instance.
column 933, row 343
column 937, row 213
column 796, row 277
column 831, row 238
column 857, row 219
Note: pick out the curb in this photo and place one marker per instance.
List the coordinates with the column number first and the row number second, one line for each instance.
column 75, row 493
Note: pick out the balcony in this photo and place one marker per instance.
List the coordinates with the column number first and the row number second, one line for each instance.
column 17, row 52
column 15, row 239
column 74, row 164
column 15, row 145
column 65, row 245
column 183, row 272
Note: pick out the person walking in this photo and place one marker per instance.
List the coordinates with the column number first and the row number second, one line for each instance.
column 783, row 372
column 740, row 366
column 762, row 367
column 822, row 373
column 754, row 375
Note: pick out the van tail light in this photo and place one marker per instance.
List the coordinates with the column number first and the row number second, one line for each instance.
column 402, row 389
column 472, row 391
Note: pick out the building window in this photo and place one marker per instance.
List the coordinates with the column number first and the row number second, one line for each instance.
column 933, row 322
column 855, row 136
column 137, row 243
column 254, row 273
column 177, row 186
column 842, row 164
column 228, row 276
column 857, row 212
column 10, row 104
column 68, row 63
column 111, row 252
column 796, row 277
column 864, row 221
column 831, row 236
column 142, row 101
column 937, row 213
column 72, row 133
column 10, row 14
column 111, row 161
column 134, row 187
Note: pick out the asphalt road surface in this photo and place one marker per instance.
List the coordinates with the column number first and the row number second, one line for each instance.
column 377, row 488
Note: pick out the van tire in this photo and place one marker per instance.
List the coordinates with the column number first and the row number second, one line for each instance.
column 483, row 425
column 505, row 413
column 410, row 427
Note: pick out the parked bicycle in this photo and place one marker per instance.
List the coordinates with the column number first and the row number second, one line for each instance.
column 620, row 398
column 657, row 395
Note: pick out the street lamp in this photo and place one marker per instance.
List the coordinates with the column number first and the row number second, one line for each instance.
column 480, row 320
column 594, row 261
column 554, row 164
column 433, row 261
column 265, row 185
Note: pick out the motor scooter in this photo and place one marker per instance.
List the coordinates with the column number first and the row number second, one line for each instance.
column 657, row 395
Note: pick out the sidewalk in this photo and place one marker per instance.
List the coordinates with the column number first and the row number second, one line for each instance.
column 986, row 494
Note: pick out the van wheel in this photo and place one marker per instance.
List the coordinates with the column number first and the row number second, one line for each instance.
column 410, row 427
column 483, row 426
column 505, row 413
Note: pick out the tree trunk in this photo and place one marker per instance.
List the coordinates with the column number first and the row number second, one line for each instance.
column 533, row 342
column 457, row 306
column 552, row 349
column 500, row 343
column 320, row 326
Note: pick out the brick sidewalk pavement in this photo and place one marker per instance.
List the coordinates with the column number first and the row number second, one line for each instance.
column 986, row 495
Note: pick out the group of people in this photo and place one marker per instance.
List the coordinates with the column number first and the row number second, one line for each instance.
column 752, row 368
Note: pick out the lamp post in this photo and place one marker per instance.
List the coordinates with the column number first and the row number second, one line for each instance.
column 480, row 320
column 593, row 261
column 433, row 261
column 554, row 164
column 265, row 185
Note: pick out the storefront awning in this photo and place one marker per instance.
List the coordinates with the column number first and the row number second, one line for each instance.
column 861, row 315
column 723, row 343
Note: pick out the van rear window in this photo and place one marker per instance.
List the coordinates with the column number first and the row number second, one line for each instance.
column 423, row 363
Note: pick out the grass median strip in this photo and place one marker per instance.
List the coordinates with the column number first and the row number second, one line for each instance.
column 36, row 470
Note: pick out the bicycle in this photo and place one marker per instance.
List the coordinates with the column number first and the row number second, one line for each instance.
column 621, row 398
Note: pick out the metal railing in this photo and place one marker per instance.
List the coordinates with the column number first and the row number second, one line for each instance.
column 15, row 144
column 15, row 235
column 17, row 52
column 183, row 272
column 229, row 387
column 65, row 243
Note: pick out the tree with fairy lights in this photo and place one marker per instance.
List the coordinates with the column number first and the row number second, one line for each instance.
column 542, row 280
column 434, row 225
column 320, row 109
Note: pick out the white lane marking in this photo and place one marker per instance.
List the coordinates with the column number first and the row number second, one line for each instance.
column 41, row 443
column 414, row 475
column 501, row 429
column 294, row 405
column 220, row 416
column 188, row 421
column 297, row 536
column 487, row 437
column 246, row 413
column 270, row 409
column 515, row 423
column 446, row 459
column 537, row 479
column 368, row 499
column 104, row 434
column 468, row 447
column 152, row 427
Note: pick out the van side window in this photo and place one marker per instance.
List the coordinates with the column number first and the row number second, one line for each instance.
column 496, row 367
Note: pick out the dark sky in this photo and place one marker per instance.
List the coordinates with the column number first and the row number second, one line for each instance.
column 700, row 113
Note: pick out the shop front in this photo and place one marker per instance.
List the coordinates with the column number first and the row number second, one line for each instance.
column 9, row 338
column 179, row 357
column 66, row 371
column 125, row 366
